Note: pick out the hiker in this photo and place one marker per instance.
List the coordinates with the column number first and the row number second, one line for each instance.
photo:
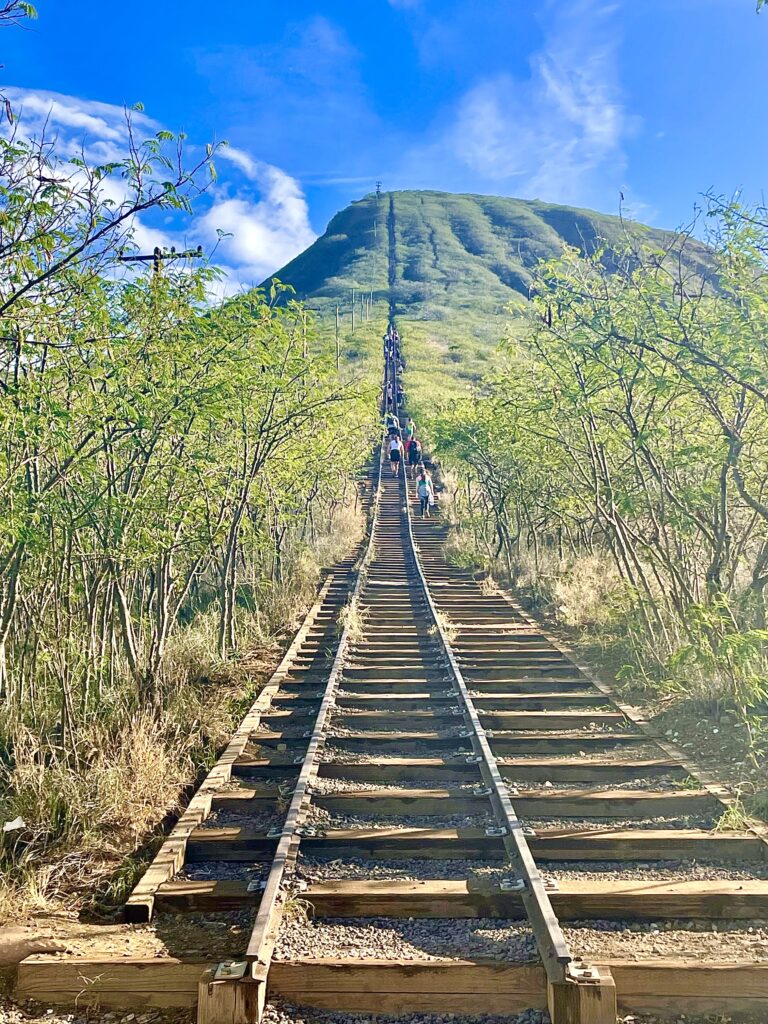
column 425, row 491
column 395, row 453
column 409, row 430
column 414, row 455
column 393, row 425
column 400, row 395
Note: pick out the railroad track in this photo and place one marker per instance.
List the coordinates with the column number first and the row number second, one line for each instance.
column 433, row 808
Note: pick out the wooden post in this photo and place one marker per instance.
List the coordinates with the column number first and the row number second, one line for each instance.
column 353, row 310
column 587, row 996
column 229, row 1000
column 337, row 337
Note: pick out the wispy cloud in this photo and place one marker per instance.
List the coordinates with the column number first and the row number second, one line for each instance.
column 261, row 208
column 556, row 134
column 265, row 233
column 100, row 130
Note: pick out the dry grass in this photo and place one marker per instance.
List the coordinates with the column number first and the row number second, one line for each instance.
column 588, row 592
column 88, row 810
column 84, row 812
column 450, row 629
column 352, row 619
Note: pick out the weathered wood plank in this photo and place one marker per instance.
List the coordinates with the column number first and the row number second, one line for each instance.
column 398, row 986
column 449, row 843
column 453, row 769
column 110, row 983
column 557, row 803
column 170, row 857
column 439, row 986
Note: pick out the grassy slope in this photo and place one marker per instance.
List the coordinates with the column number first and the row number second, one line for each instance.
column 463, row 267
column 464, row 264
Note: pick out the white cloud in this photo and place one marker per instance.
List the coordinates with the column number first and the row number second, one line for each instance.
column 100, row 130
column 262, row 206
column 556, row 134
column 266, row 233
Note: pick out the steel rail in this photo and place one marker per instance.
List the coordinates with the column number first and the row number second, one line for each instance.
column 564, row 972
column 549, row 936
column 269, row 916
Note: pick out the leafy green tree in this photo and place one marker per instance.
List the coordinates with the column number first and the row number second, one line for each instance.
column 630, row 419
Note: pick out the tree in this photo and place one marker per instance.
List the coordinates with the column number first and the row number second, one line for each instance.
column 631, row 420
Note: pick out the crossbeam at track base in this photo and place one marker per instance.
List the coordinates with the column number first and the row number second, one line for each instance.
column 586, row 996
column 236, row 1000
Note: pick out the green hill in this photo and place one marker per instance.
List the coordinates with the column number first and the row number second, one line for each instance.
column 448, row 266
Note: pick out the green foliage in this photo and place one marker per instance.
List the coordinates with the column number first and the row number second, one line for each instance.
column 461, row 261
column 171, row 475
column 625, row 421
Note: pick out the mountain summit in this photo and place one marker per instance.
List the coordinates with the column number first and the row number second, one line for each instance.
column 450, row 268
column 433, row 254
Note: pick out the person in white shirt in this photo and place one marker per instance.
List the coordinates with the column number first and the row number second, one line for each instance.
column 395, row 454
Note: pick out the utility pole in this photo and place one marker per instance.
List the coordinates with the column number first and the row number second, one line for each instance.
column 353, row 310
column 337, row 338
column 159, row 256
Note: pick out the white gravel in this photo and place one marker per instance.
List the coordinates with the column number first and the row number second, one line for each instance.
column 335, row 751
column 729, row 941
column 406, row 939
column 682, row 821
column 670, row 871
column 222, row 870
column 648, row 783
column 330, row 786
column 402, row 870
column 256, row 822
column 283, row 1013
column 329, row 819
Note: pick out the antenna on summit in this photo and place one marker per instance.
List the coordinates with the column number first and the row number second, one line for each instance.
column 378, row 190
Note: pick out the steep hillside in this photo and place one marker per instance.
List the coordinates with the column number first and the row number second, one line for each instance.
column 448, row 266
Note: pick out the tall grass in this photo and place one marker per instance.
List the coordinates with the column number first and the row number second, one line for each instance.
column 88, row 809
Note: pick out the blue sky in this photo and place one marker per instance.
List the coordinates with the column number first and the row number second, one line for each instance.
column 566, row 102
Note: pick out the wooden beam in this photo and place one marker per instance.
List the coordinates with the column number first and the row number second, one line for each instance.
column 238, row 844
column 222, row 1001
column 486, row 988
column 110, row 982
column 509, row 720
column 454, row 769
column 586, row 996
column 555, row 803
column 171, row 855
column 440, row 986
column 414, row 986
column 692, row 987
column 572, row 900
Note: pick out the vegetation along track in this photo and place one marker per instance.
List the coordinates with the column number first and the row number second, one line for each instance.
column 426, row 789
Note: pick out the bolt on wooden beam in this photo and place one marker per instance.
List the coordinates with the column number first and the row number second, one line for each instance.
column 228, row 995
column 587, row 996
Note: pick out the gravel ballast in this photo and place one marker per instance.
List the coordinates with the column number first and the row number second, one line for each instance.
column 283, row 1013
column 723, row 941
column 329, row 820
column 406, row 939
